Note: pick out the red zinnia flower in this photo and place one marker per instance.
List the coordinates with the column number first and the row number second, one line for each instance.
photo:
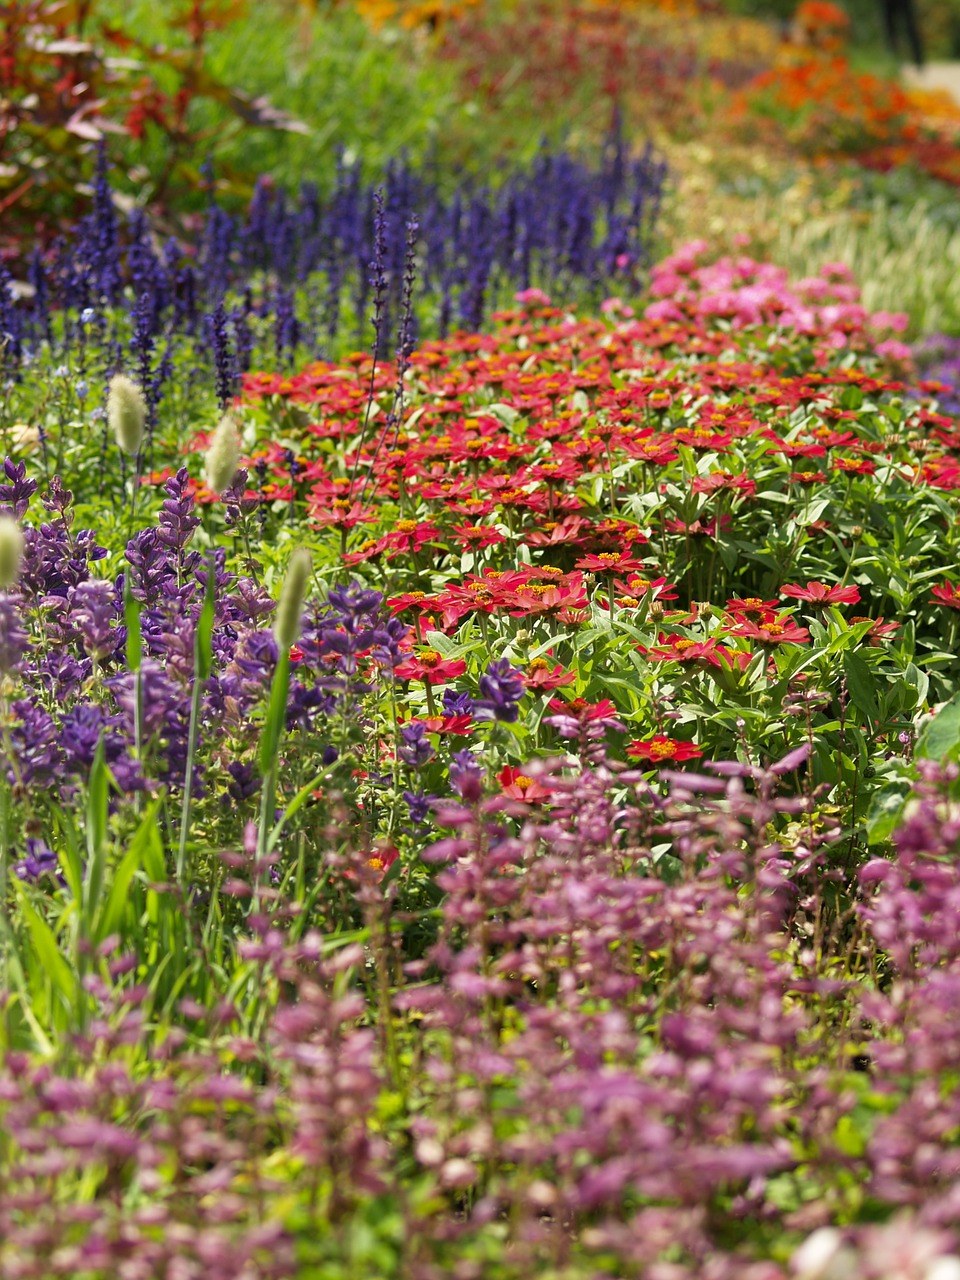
column 584, row 712
column 820, row 593
column 772, row 630
column 518, row 785
column 660, row 748
column 458, row 726
column 570, row 531
column 678, row 648
column 561, row 597
column 880, row 630
column 376, row 863
column 477, row 536
column 630, row 595
column 611, row 562
column 540, row 675
column 856, row 466
column 751, row 605
column 717, row 480
column 417, row 600
column 947, row 594
column 430, row 666
column 698, row 528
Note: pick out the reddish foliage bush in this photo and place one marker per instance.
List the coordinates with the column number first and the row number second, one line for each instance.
column 67, row 81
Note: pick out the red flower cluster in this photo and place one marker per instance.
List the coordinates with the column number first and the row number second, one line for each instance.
column 609, row 477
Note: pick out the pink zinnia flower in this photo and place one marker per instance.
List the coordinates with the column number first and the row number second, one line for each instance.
column 820, row 593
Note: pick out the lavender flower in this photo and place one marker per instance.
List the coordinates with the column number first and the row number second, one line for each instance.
column 501, row 688
column 414, row 749
column 13, row 638
column 39, row 861
column 16, row 491
column 467, row 776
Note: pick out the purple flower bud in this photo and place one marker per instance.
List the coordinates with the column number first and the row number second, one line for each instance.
column 502, row 688
column 40, row 861
column 13, row 638
column 466, row 776
column 414, row 749
column 457, row 704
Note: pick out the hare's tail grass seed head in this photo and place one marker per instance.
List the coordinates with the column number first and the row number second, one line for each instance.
column 223, row 456
column 286, row 626
column 126, row 413
column 11, row 551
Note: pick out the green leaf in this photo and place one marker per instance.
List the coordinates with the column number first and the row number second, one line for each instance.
column 131, row 618
column 47, row 958
column 98, row 795
column 941, row 737
column 918, row 680
column 298, row 801
column 884, row 812
column 112, row 913
column 276, row 714
column 848, row 1138
column 204, row 639
column 861, row 684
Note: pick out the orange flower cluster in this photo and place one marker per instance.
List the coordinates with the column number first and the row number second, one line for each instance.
column 826, row 107
column 820, row 23
column 430, row 14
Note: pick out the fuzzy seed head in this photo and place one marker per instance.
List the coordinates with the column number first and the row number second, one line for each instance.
column 286, row 626
column 223, row 456
column 11, row 551
column 126, row 413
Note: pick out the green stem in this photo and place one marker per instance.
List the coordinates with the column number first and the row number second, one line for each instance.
column 188, row 778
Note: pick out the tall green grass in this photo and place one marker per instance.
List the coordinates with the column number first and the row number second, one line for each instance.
column 904, row 258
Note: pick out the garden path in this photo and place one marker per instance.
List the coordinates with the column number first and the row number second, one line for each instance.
column 935, row 75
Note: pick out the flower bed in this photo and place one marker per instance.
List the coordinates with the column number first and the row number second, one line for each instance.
column 559, row 875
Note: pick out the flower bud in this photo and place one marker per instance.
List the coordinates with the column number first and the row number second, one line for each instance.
column 126, row 413
column 11, row 551
column 223, row 456
column 286, row 626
